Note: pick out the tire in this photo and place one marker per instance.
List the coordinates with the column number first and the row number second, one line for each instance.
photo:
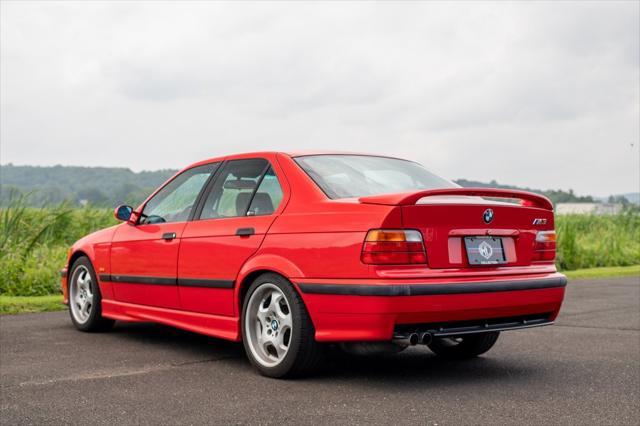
column 464, row 347
column 85, row 300
column 278, row 335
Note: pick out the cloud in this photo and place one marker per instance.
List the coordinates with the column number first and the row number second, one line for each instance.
column 538, row 94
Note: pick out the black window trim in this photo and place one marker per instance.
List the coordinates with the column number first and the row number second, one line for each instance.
column 258, row 183
column 202, row 195
column 208, row 187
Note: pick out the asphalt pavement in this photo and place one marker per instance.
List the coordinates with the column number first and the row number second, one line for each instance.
column 583, row 370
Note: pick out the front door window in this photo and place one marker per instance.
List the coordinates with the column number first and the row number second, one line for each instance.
column 176, row 200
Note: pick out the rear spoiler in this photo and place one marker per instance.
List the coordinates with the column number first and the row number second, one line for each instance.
column 410, row 198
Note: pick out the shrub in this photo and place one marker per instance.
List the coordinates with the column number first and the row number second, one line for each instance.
column 34, row 244
column 587, row 241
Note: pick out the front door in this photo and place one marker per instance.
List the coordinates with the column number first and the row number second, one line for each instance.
column 144, row 256
column 234, row 218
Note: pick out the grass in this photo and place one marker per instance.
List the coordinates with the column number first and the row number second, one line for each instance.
column 586, row 241
column 23, row 304
column 34, row 244
column 605, row 272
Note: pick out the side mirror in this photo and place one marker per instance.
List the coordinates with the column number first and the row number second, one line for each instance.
column 123, row 213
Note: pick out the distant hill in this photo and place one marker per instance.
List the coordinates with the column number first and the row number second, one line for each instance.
column 632, row 197
column 555, row 195
column 109, row 186
column 99, row 186
column 629, row 198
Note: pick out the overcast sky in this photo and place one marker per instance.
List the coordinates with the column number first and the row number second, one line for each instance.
column 545, row 95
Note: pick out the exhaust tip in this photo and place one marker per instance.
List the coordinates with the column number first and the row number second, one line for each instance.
column 425, row 338
column 410, row 339
column 413, row 339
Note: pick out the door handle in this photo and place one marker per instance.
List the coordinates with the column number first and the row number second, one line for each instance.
column 245, row 232
column 168, row 236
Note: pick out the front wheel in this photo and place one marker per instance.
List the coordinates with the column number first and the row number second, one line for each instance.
column 278, row 334
column 464, row 347
column 85, row 300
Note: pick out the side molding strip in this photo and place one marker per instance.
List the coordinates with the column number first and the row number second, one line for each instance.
column 195, row 282
column 431, row 289
column 130, row 279
column 187, row 282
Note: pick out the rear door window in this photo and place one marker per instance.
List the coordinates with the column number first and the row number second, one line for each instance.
column 243, row 188
column 267, row 197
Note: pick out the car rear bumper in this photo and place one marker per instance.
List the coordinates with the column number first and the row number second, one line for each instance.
column 366, row 310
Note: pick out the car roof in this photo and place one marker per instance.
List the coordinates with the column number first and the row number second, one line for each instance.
column 291, row 154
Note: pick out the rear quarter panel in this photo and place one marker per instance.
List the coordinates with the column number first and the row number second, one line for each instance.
column 327, row 242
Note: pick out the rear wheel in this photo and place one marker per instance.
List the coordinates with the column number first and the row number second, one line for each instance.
column 278, row 334
column 85, row 300
column 463, row 347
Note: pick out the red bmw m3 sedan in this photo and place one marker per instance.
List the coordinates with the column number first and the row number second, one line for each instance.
column 288, row 252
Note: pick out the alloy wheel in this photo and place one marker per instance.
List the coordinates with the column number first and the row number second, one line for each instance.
column 268, row 325
column 81, row 294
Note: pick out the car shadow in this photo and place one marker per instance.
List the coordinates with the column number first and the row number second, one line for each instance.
column 419, row 367
column 198, row 345
column 414, row 367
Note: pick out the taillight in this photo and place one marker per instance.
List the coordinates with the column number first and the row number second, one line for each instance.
column 393, row 247
column 545, row 246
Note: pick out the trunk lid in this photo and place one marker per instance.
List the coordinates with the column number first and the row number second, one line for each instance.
column 446, row 217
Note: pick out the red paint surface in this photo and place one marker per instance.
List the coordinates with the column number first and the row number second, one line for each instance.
column 141, row 251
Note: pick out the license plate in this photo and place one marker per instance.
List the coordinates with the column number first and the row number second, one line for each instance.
column 485, row 250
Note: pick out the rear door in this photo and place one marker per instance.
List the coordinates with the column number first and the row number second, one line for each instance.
column 230, row 224
column 144, row 256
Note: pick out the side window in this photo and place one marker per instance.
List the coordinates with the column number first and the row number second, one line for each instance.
column 268, row 196
column 174, row 202
column 232, row 191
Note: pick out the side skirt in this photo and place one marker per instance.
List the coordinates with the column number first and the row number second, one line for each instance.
column 207, row 324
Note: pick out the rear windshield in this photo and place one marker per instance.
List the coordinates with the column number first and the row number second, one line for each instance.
column 347, row 176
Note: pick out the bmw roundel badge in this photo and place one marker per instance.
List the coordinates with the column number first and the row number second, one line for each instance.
column 487, row 216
